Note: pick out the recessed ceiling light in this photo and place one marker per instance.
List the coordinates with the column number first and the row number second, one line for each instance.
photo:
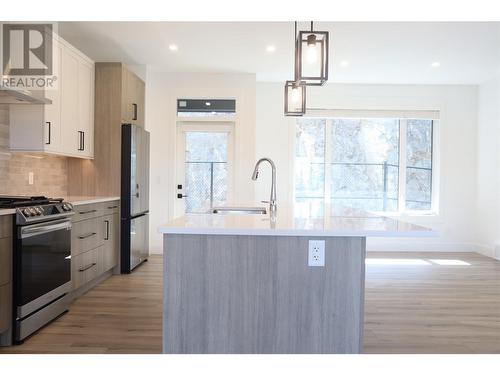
column 173, row 47
column 436, row 64
column 271, row 48
column 344, row 63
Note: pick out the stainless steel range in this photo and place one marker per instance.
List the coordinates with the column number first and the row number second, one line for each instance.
column 42, row 261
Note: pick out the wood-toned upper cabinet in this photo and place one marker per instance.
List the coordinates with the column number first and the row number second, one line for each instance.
column 133, row 98
column 65, row 127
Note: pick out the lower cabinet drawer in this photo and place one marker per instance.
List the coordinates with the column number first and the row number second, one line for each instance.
column 5, row 306
column 85, row 267
column 110, row 208
column 86, row 211
column 86, row 235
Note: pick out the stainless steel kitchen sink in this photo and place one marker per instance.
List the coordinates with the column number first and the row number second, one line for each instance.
column 239, row 210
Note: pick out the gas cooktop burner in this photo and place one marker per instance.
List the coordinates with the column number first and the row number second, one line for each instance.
column 19, row 201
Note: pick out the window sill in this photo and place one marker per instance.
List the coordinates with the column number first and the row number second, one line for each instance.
column 407, row 214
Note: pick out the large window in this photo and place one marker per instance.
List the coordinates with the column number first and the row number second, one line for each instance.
column 351, row 165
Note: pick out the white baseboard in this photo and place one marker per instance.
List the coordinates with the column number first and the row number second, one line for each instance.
column 489, row 251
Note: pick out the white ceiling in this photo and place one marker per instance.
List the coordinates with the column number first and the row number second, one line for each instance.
column 468, row 53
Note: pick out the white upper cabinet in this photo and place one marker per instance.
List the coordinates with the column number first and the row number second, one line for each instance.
column 65, row 127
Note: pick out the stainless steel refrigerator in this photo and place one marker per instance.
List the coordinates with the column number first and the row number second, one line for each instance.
column 134, row 197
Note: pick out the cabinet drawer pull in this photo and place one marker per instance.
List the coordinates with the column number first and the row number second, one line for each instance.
column 86, row 212
column 87, row 235
column 111, row 207
column 83, row 269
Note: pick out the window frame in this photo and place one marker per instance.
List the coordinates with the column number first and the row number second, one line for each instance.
column 403, row 117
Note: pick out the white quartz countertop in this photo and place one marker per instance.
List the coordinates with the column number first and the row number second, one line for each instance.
column 261, row 225
column 75, row 200
column 79, row 200
column 7, row 211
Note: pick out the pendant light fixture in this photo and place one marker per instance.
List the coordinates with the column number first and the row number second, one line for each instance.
column 311, row 57
column 295, row 98
column 295, row 92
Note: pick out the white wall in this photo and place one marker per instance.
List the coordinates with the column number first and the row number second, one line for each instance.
column 162, row 92
column 456, row 151
column 488, row 164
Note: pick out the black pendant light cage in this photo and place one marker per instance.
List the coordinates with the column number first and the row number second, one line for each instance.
column 312, row 74
column 295, row 106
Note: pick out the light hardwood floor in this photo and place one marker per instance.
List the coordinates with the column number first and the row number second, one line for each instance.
column 422, row 308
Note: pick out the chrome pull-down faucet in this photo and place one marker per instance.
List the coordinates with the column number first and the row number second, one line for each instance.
column 255, row 175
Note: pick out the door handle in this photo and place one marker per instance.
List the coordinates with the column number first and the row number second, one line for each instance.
column 107, row 230
column 49, row 131
column 180, row 196
column 80, row 140
column 135, row 111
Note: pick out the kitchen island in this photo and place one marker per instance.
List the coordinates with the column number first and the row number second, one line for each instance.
column 249, row 284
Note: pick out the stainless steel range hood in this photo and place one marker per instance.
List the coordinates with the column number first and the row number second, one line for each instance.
column 14, row 96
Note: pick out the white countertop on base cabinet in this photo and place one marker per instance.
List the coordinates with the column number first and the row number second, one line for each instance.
column 262, row 225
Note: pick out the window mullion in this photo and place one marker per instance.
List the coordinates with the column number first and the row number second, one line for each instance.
column 328, row 168
column 403, row 127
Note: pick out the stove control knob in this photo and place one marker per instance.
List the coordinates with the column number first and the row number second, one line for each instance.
column 39, row 210
column 27, row 212
column 33, row 211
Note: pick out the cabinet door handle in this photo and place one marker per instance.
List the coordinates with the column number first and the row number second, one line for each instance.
column 49, row 130
column 87, row 235
column 80, row 148
column 83, row 269
column 86, row 212
column 135, row 111
column 111, row 207
column 107, row 230
column 83, row 141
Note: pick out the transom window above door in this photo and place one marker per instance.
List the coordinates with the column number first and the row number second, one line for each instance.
column 204, row 108
column 348, row 166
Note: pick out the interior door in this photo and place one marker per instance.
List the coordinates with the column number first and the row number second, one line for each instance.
column 203, row 166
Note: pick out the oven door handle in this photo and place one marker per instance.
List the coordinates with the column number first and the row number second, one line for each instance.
column 36, row 230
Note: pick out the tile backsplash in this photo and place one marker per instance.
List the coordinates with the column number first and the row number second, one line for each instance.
column 50, row 172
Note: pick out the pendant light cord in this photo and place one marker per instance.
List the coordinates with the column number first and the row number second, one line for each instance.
column 311, row 26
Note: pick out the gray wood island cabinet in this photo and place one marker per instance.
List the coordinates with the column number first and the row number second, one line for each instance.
column 244, row 284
